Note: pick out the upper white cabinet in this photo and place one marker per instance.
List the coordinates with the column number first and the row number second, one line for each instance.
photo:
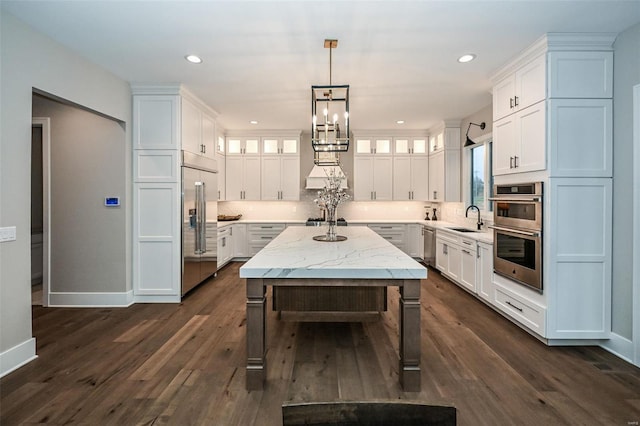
column 411, row 178
column 519, row 141
column 243, row 145
column 520, row 89
column 444, row 168
column 552, row 108
column 280, row 177
column 280, row 146
column 410, row 146
column 198, row 129
column 368, row 145
column 243, row 177
column 372, row 177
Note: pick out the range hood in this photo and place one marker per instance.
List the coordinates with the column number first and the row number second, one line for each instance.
column 317, row 178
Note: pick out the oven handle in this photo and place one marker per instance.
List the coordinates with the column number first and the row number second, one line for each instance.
column 515, row 231
column 517, row 200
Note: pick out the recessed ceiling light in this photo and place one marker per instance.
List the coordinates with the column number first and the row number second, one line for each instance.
column 466, row 58
column 194, row 59
column 253, row 122
column 400, row 122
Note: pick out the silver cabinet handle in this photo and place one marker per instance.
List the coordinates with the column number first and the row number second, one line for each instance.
column 511, row 103
column 515, row 162
column 513, row 306
column 515, row 101
column 466, row 251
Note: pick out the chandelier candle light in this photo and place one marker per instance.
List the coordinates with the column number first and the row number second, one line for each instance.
column 329, row 198
column 330, row 131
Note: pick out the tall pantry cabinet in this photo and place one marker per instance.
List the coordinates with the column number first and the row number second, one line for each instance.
column 166, row 120
column 553, row 118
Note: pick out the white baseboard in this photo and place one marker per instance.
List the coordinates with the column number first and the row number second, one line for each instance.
column 17, row 356
column 619, row 346
column 91, row 300
column 141, row 298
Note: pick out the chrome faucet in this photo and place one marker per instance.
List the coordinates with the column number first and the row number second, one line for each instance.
column 466, row 214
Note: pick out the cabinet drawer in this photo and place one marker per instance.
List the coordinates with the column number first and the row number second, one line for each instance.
column 395, row 238
column 524, row 311
column 447, row 237
column 396, row 227
column 266, row 227
column 467, row 244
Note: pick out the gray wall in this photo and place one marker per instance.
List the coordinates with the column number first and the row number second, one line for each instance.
column 30, row 60
column 626, row 75
column 88, row 243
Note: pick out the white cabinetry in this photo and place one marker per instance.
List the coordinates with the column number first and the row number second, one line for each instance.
column 373, row 145
column 519, row 141
column 410, row 146
column 448, row 255
column 411, row 177
column 484, row 272
column 520, row 89
column 166, row 120
column 372, row 177
column 243, row 145
column 444, row 164
column 239, row 235
column 280, row 169
column 243, row 177
column 259, row 235
column 468, row 264
column 414, row 238
column 394, row 233
column 573, row 130
column 222, row 164
column 225, row 245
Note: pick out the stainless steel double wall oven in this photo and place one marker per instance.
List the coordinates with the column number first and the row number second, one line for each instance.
column 517, row 231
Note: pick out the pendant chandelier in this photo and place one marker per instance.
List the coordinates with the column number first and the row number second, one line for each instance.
column 330, row 114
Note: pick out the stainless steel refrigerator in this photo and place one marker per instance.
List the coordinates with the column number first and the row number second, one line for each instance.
column 199, row 219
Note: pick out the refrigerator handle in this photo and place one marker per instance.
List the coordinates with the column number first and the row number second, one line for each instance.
column 203, row 218
column 198, row 236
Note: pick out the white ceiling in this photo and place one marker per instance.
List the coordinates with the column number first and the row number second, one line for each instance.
column 261, row 57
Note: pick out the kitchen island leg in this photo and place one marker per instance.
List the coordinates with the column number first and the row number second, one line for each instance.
column 256, row 334
column 410, row 335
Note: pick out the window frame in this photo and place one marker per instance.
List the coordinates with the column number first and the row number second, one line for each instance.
column 487, row 141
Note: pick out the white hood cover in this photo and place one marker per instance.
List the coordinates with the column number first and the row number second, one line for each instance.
column 317, row 178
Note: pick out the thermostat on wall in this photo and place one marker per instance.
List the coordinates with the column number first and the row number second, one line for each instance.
column 112, row 201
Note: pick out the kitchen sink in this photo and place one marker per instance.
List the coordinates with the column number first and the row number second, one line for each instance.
column 463, row 229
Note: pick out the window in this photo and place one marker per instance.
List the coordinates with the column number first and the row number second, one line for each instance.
column 480, row 177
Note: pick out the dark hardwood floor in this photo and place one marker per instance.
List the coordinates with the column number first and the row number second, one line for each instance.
column 184, row 364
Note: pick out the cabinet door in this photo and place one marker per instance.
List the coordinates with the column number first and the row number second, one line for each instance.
column 455, row 262
column 530, row 83
column 383, row 178
column 402, row 178
column 468, row 269
column 251, row 174
column 531, row 137
column 436, row 176
column 155, row 122
column 234, row 187
column 208, row 148
column 442, row 255
column 191, row 127
column 419, row 178
column 271, row 177
column 484, row 272
column 222, row 177
column 504, row 142
column 415, row 241
column 290, row 178
column 362, row 178
column 364, row 146
column 503, row 93
column 239, row 235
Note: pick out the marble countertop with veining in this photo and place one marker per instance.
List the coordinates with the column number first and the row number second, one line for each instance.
column 365, row 255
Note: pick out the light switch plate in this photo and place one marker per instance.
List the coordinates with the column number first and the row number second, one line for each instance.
column 7, row 234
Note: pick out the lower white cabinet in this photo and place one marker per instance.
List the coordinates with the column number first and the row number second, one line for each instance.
column 468, row 267
column 414, row 238
column 448, row 252
column 484, row 272
column 394, row 233
column 261, row 234
column 239, row 235
column 522, row 309
column 225, row 246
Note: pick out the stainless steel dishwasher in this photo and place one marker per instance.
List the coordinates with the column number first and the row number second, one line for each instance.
column 429, row 245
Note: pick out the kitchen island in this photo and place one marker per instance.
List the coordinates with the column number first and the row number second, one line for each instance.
column 365, row 259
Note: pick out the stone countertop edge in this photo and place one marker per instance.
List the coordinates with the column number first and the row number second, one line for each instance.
column 364, row 255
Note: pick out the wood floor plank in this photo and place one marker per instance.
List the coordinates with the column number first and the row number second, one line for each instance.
column 185, row 364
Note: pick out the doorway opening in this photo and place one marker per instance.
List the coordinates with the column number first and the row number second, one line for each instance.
column 40, row 149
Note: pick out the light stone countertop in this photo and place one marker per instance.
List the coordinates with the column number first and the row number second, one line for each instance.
column 365, row 254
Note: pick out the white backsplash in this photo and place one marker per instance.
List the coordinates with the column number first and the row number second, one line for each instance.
column 352, row 210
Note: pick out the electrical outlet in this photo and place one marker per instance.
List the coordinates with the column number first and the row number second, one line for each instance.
column 7, row 234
